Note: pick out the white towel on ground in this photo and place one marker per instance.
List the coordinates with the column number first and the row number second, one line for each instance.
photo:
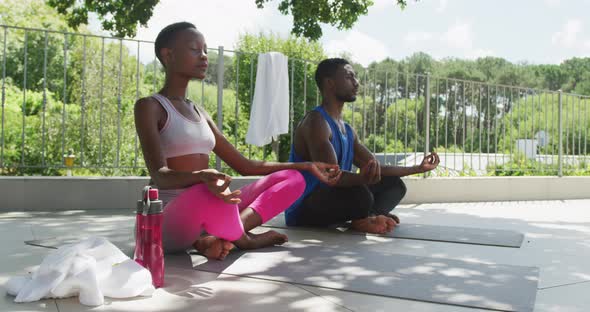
column 92, row 269
column 269, row 116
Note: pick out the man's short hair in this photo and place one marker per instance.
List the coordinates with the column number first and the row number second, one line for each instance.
column 167, row 36
column 327, row 68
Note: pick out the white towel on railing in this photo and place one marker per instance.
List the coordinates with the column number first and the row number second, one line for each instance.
column 91, row 269
column 269, row 116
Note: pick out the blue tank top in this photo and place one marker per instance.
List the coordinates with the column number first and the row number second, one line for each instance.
column 343, row 144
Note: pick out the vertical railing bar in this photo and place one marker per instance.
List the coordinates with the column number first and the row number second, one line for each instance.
column 455, row 126
column 237, row 108
column 525, row 117
column 353, row 107
column 518, row 116
column 489, row 127
column 3, row 95
column 100, row 160
column 504, row 103
column 437, row 111
column 472, row 105
column 539, row 155
column 446, row 118
column 464, row 126
column 365, row 86
column 119, row 103
column 427, row 122
column 553, row 127
column 24, row 111
column 395, row 118
column 573, row 148
column 292, row 106
column 496, row 126
column 560, row 130
column 83, row 108
column 586, row 131
column 202, row 93
column 44, row 161
column 317, row 96
column 511, row 122
column 305, row 88
column 566, row 127
column 251, row 96
column 63, row 116
column 386, row 104
column 220, row 73
column 137, row 74
column 406, row 117
column 533, row 129
column 154, row 88
column 417, row 97
column 546, row 147
column 578, row 154
column 480, row 121
column 374, row 112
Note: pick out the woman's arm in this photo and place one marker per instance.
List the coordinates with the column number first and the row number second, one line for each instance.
column 244, row 166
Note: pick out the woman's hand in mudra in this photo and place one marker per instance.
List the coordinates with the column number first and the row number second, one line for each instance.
column 218, row 184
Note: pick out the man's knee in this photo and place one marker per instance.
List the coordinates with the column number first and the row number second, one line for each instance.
column 362, row 196
column 356, row 201
column 402, row 186
column 396, row 184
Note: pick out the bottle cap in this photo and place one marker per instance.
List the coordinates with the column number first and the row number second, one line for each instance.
column 153, row 194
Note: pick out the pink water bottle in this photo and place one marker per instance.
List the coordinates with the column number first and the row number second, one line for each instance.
column 148, row 248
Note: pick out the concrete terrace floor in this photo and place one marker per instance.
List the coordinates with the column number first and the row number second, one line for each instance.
column 557, row 240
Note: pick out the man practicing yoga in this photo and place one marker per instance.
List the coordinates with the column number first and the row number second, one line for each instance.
column 365, row 198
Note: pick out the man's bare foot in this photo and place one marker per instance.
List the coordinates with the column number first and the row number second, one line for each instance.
column 374, row 224
column 394, row 217
column 253, row 241
column 213, row 247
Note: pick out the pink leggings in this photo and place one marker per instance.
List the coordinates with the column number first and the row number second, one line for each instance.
column 196, row 209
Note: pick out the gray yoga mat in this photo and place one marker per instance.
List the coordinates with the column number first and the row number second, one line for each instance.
column 124, row 242
column 454, row 282
column 438, row 233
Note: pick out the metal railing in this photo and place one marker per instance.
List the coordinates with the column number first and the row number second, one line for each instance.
column 67, row 91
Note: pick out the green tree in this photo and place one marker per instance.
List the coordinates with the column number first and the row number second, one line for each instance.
column 121, row 17
column 307, row 15
column 576, row 69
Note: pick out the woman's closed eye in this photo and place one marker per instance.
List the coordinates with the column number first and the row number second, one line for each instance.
column 199, row 51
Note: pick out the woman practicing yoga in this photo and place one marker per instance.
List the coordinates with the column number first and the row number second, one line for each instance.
column 176, row 139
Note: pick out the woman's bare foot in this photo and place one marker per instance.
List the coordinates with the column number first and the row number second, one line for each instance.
column 254, row 241
column 374, row 224
column 213, row 247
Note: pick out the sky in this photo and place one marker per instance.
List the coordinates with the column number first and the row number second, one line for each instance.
column 532, row 31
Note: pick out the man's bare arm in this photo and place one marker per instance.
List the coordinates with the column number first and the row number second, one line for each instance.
column 362, row 156
column 316, row 134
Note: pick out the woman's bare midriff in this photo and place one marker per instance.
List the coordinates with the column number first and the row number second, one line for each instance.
column 187, row 163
